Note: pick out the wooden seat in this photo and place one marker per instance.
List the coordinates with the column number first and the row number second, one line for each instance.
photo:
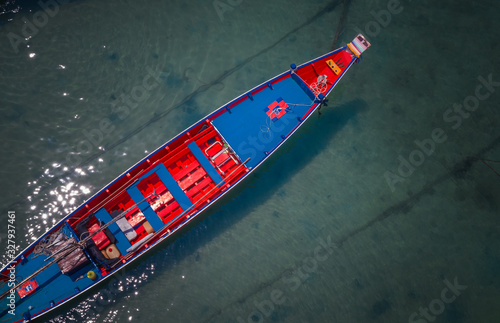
column 195, row 189
column 185, row 171
column 192, row 178
column 171, row 207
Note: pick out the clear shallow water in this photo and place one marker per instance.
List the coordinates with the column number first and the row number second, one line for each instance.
column 253, row 257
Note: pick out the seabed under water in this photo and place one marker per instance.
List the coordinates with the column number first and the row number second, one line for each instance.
column 382, row 209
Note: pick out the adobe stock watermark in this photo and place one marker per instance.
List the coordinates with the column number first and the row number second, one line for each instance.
column 269, row 129
column 11, row 255
column 309, row 265
column 455, row 116
column 223, row 6
column 126, row 103
column 49, row 9
column 254, row 144
column 382, row 17
column 437, row 306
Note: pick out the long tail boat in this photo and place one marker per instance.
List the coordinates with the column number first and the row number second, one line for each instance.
column 167, row 189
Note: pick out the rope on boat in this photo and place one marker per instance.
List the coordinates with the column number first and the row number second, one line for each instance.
column 80, row 244
column 192, row 206
column 484, row 161
column 44, row 246
column 266, row 129
column 320, row 86
column 340, row 25
column 317, row 88
column 121, row 215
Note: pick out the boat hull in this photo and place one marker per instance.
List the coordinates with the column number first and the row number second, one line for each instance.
column 167, row 189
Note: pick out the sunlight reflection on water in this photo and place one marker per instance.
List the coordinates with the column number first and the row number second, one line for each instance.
column 60, row 199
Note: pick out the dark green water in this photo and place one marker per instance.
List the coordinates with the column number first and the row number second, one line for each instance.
column 337, row 227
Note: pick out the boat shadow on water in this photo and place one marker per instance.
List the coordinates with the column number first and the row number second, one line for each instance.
column 295, row 154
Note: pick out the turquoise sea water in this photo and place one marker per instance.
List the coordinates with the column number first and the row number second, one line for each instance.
column 338, row 226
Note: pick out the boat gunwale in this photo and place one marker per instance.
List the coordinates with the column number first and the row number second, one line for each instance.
column 165, row 234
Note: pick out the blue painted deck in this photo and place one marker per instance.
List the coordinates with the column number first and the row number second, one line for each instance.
column 249, row 130
column 145, row 208
column 172, row 186
column 205, row 163
column 62, row 285
column 122, row 242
